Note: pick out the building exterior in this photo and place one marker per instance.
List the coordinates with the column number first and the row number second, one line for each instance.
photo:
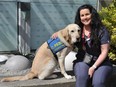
column 26, row 24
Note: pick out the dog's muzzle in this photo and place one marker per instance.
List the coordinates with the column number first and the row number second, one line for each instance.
column 78, row 39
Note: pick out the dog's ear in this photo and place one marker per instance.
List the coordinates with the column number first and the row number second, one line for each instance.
column 64, row 36
column 65, row 33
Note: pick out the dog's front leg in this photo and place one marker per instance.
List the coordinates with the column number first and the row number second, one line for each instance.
column 62, row 68
column 61, row 60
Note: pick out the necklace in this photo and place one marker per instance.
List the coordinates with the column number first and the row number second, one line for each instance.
column 85, row 38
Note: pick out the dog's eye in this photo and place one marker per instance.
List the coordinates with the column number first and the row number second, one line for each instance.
column 72, row 31
column 79, row 30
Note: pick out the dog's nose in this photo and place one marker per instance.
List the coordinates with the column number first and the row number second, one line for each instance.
column 78, row 39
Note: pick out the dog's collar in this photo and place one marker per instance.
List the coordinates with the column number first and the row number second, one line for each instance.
column 55, row 45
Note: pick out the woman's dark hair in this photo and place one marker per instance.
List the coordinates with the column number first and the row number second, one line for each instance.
column 96, row 24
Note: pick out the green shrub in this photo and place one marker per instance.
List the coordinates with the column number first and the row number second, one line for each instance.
column 108, row 16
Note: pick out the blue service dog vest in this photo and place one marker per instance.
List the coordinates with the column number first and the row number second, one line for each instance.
column 55, row 45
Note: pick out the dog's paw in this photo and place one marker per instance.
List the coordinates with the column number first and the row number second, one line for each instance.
column 68, row 77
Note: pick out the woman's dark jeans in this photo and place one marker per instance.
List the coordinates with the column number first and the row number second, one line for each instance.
column 99, row 77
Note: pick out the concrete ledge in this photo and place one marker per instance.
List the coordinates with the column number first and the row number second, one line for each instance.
column 60, row 81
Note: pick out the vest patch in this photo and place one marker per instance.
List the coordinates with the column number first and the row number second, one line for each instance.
column 55, row 45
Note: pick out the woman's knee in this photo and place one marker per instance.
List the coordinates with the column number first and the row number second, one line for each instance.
column 81, row 70
column 101, row 75
column 98, row 83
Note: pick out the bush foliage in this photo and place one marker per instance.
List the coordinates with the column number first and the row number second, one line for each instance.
column 108, row 16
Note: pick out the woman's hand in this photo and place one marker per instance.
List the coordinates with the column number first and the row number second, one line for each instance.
column 91, row 71
column 54, row 36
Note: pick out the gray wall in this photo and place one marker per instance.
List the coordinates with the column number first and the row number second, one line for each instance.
column 8, row 26
column 49, row 16
column 46, row 17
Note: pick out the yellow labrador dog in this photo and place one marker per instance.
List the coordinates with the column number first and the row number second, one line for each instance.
column 45, row 62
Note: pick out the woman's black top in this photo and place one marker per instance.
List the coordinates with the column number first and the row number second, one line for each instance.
column 104, row 38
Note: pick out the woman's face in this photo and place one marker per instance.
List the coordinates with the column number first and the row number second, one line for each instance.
column 85, row 16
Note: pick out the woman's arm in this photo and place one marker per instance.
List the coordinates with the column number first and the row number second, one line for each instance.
column 101, row 58
column 103, row 55
column 105, row 45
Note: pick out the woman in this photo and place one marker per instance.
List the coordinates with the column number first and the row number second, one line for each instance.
column 95, row 43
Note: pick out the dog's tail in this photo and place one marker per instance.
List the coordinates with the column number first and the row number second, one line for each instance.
column 30, row 75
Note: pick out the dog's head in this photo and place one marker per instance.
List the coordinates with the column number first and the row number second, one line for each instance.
column 70, row 34
column 74, row 32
